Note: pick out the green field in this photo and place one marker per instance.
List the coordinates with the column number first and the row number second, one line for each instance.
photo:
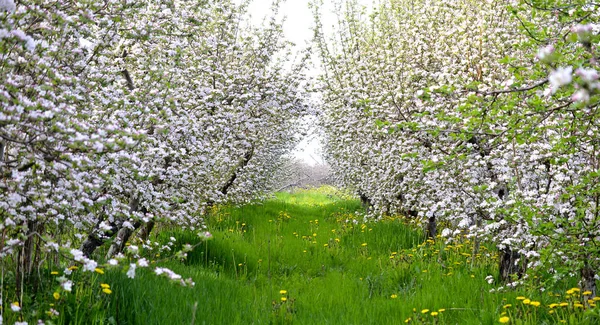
column 307, row 258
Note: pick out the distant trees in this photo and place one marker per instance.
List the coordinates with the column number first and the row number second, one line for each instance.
column 298, row 174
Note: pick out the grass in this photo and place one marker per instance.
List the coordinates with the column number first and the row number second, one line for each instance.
column 307, row 258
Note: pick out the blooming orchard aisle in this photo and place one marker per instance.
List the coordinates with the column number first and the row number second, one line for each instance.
column 126, row 125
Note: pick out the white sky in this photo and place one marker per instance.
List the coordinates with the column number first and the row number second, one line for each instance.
column 298, row 29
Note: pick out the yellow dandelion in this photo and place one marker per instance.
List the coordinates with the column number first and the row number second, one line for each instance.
column 99, row 271
column 364, row 244
column 551, row 312
column 434, row 313
column 527, row 301
column 107, row 291
column 282, row 292
column 535, row 303
column 284, row 299
column 394, row 296
column 441, row 310
column 575, row 289
column 54, row 273
column 578, row 305
column 104, row 286
column 553, row 305
column 424, row 311
column 507, row 306
column 587, row 293
column 74, row 267
column 563, row 304
column 521, row 298
column 408, row 320
column 56, row 295
column 504, row 319
column 592, row 305
column 570, row 292
column 596, row 299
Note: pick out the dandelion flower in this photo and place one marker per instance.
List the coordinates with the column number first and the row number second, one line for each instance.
column 54, row 273
column 394, row 296
column 424, row 311
column 441, row 310
column 107, row 291
column 56, row 295
column 434, row 313
column 364, row 244
column 527, row 301
column 284, row 299
column 15, row 306
column 578, row 305
column 504, row 319
column 535, row 303
column 521, row 298
column 99, row 271
column 587, row 293
column 282, row 292
column 104, row 286
column 507, row 306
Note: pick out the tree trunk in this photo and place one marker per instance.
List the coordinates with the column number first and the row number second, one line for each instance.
column 432, row 228
column 588, row 281
column 146, row 230
column 120, row 240
column 95, row 239
column 511, row 264
column 477, row 241
column 124, row 232
column 365, row 201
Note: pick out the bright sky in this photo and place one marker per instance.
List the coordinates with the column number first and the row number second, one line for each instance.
column 298, row 29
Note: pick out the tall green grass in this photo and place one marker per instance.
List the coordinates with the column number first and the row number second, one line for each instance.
column 310, row 249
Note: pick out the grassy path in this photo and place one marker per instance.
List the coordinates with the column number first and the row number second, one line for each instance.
column 305, row 258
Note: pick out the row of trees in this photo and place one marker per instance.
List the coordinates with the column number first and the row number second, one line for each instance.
column 480, row 115
column 120, row 114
